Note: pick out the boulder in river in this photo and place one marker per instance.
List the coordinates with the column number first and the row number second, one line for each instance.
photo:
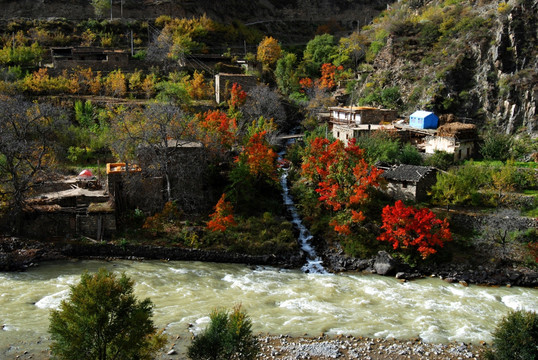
column 385, row 264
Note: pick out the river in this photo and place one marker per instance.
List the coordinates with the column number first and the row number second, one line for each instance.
column 278, row 301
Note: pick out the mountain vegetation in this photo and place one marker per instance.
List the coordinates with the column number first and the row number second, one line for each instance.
column 472, row 61
column 476, row 60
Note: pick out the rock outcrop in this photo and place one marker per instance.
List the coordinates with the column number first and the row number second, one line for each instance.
column 479, row 64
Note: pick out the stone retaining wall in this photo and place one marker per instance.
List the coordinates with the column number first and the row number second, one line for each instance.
column 476, row 222
column 103, row 251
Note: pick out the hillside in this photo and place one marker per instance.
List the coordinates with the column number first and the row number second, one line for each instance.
column 477, row 60
column 275, row 17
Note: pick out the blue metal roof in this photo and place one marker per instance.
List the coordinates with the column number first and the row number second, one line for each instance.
column 421, row 113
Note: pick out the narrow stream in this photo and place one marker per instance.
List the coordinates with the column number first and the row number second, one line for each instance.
column 314, row 262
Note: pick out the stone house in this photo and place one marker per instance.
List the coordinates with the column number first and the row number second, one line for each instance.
column 67, row 211
column 409, row 182
column 455, row 138
column 224, row 83
column 95, row 58
column 359, row 115
column 146, row 186
column 348, row 132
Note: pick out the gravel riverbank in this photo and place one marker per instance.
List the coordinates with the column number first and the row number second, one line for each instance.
column 349, row 347
column 345, row 347
column 286, row 347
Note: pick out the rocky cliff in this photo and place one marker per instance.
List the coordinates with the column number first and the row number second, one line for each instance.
column 477, row 60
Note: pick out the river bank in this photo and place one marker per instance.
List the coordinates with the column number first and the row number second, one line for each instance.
column 344, row 347
column 18, row 254
column 350, row 347
column 307, row 347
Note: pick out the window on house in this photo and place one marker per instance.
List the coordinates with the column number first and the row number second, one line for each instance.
column 404, row 185
column 459, row 154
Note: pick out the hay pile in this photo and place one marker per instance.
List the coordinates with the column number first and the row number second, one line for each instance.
column 458, row 130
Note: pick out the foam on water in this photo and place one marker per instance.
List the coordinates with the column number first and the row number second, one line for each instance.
column 308, row 305
column 52, row 301
column 520, row 303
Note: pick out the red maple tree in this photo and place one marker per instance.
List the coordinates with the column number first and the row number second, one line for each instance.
column 223, row 216
column 306, row 84
column 218, row 129
column 259, row 157
column 237, row 96
column 342, row 178
column 409, row 228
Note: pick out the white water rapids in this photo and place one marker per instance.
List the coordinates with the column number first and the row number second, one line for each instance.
column 278, row 301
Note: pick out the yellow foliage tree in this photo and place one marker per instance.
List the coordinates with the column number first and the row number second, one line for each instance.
column 197, row 87
column 115, row 84
column 148, row 86
column 96, row 84
column 269, row 51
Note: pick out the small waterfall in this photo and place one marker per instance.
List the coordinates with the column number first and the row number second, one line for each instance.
column 314, row 262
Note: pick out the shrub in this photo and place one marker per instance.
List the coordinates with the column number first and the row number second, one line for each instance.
column 410, row 155
column 496, row 146
column 390, row 97
column 374, row 49
column 228, row 336
column 102, row 319
column 440, row 159
column 516, row 337
column 21, row 55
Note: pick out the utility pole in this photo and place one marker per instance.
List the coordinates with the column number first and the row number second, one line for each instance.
column 110, row 10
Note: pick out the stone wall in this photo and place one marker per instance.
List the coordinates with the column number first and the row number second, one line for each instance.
column 425, row 184
column 476, row 222
column 402, row 190
column 97, row 226
column 67, row 223
column 342, row 132
column 44, row 225
column 460, row 149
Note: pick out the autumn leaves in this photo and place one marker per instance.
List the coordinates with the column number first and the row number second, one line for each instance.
column 343, row 181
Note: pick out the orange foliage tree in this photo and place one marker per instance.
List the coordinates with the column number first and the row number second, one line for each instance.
column 342, row 179
column 237, row 96
column 328, row 75
column 218, row 129
column 408, row 228
column 259, row 157
column 223, row 216
column 306, row 84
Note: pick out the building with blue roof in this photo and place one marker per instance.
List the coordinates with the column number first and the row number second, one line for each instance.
column 423, row 120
